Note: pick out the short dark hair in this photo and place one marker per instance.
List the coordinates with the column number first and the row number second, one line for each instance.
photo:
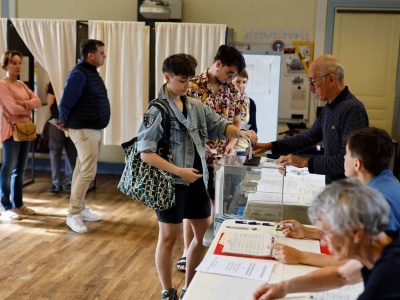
column 180, row 65
column 6, row 57
column 192, row 60
column 89, row 46
column 373, row 146
column 229, row 56
column 348, row 204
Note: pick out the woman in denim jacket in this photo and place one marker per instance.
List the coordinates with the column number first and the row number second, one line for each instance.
column 191, row 124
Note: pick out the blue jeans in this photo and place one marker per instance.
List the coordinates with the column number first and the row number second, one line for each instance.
column 15, row 158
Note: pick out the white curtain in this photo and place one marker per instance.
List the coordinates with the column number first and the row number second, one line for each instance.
column 125, row 73
column 3, row 48
column 53, row 44
column 200, row 40
column 3, row 41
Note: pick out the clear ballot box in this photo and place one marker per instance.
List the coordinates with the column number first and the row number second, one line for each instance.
column 265, row 192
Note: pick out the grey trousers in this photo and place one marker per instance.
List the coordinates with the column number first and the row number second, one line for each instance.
column 57, row 142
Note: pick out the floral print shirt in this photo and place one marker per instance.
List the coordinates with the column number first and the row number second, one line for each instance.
column 227, row 102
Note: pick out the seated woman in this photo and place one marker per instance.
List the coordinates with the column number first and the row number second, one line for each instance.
column 353, row 218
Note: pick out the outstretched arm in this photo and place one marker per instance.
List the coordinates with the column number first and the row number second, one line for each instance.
column 260, row 148
column 289, row 255
column 320, row 280
column 232, row 131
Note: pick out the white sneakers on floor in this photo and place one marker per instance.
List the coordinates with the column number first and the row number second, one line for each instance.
column 14, row 213
column 75, row 222
column 9, row 215
column 88, row 216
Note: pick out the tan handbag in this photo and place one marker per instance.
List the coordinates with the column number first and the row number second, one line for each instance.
column 24, row 132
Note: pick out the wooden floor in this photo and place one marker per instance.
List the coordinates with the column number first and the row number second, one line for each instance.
column 41, row 258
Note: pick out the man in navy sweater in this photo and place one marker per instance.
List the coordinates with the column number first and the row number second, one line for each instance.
column 85, row 110
column 342, row 114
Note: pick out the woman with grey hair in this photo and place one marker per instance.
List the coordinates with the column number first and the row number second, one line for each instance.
column 353, row 217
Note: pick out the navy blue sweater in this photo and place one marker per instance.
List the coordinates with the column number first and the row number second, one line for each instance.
column 337, row 119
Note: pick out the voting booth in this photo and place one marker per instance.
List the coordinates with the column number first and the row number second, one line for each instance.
column 265, row 192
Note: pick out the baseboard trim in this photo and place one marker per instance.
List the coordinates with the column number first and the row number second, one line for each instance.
column 43, row 164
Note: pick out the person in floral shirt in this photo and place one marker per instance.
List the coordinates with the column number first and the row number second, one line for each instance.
column 215, row 89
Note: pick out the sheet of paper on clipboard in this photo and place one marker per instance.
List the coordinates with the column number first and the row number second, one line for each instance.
column 249, row 244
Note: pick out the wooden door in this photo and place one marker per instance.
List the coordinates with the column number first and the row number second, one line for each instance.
column 367, row 44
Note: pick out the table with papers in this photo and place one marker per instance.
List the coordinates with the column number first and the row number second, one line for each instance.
column 235, row 277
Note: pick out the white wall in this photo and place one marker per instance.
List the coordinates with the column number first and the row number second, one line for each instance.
column 237, row 14
column 121, row 10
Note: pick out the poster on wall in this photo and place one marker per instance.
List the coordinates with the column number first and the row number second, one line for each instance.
column 293, row 65
column 260, row 75
column 264, row 35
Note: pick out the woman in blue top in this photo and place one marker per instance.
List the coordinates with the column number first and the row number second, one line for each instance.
column 191, row 123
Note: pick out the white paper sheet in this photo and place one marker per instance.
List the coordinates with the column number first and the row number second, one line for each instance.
column 348, row 292
column 253, row 244
column 255, row 269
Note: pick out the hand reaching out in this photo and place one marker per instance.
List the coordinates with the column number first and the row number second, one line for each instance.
column 293, row 160
column 293, row 229
column 261, row 148
column 270, row 291
column 249, row 135
column 287, row 255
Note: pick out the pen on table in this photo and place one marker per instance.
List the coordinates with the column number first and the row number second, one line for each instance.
column 243, row 228
column 252, row 223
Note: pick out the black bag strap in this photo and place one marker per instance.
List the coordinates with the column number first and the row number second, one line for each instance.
column 163, row 143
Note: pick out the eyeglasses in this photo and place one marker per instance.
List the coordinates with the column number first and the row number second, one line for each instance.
column 313, row 81
column 232, row 74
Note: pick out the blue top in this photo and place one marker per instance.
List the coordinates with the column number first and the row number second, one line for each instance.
column 84, row 103
column 389, row 187
column 253, row 114
column 337, row 119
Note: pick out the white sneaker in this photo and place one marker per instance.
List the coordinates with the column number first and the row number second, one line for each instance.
column 9, row 215
column 88, row 216
column 76, row 224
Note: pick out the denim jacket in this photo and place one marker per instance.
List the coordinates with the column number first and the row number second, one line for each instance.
column 187, row 134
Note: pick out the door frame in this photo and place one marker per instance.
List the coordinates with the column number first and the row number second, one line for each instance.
column 365, row 5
